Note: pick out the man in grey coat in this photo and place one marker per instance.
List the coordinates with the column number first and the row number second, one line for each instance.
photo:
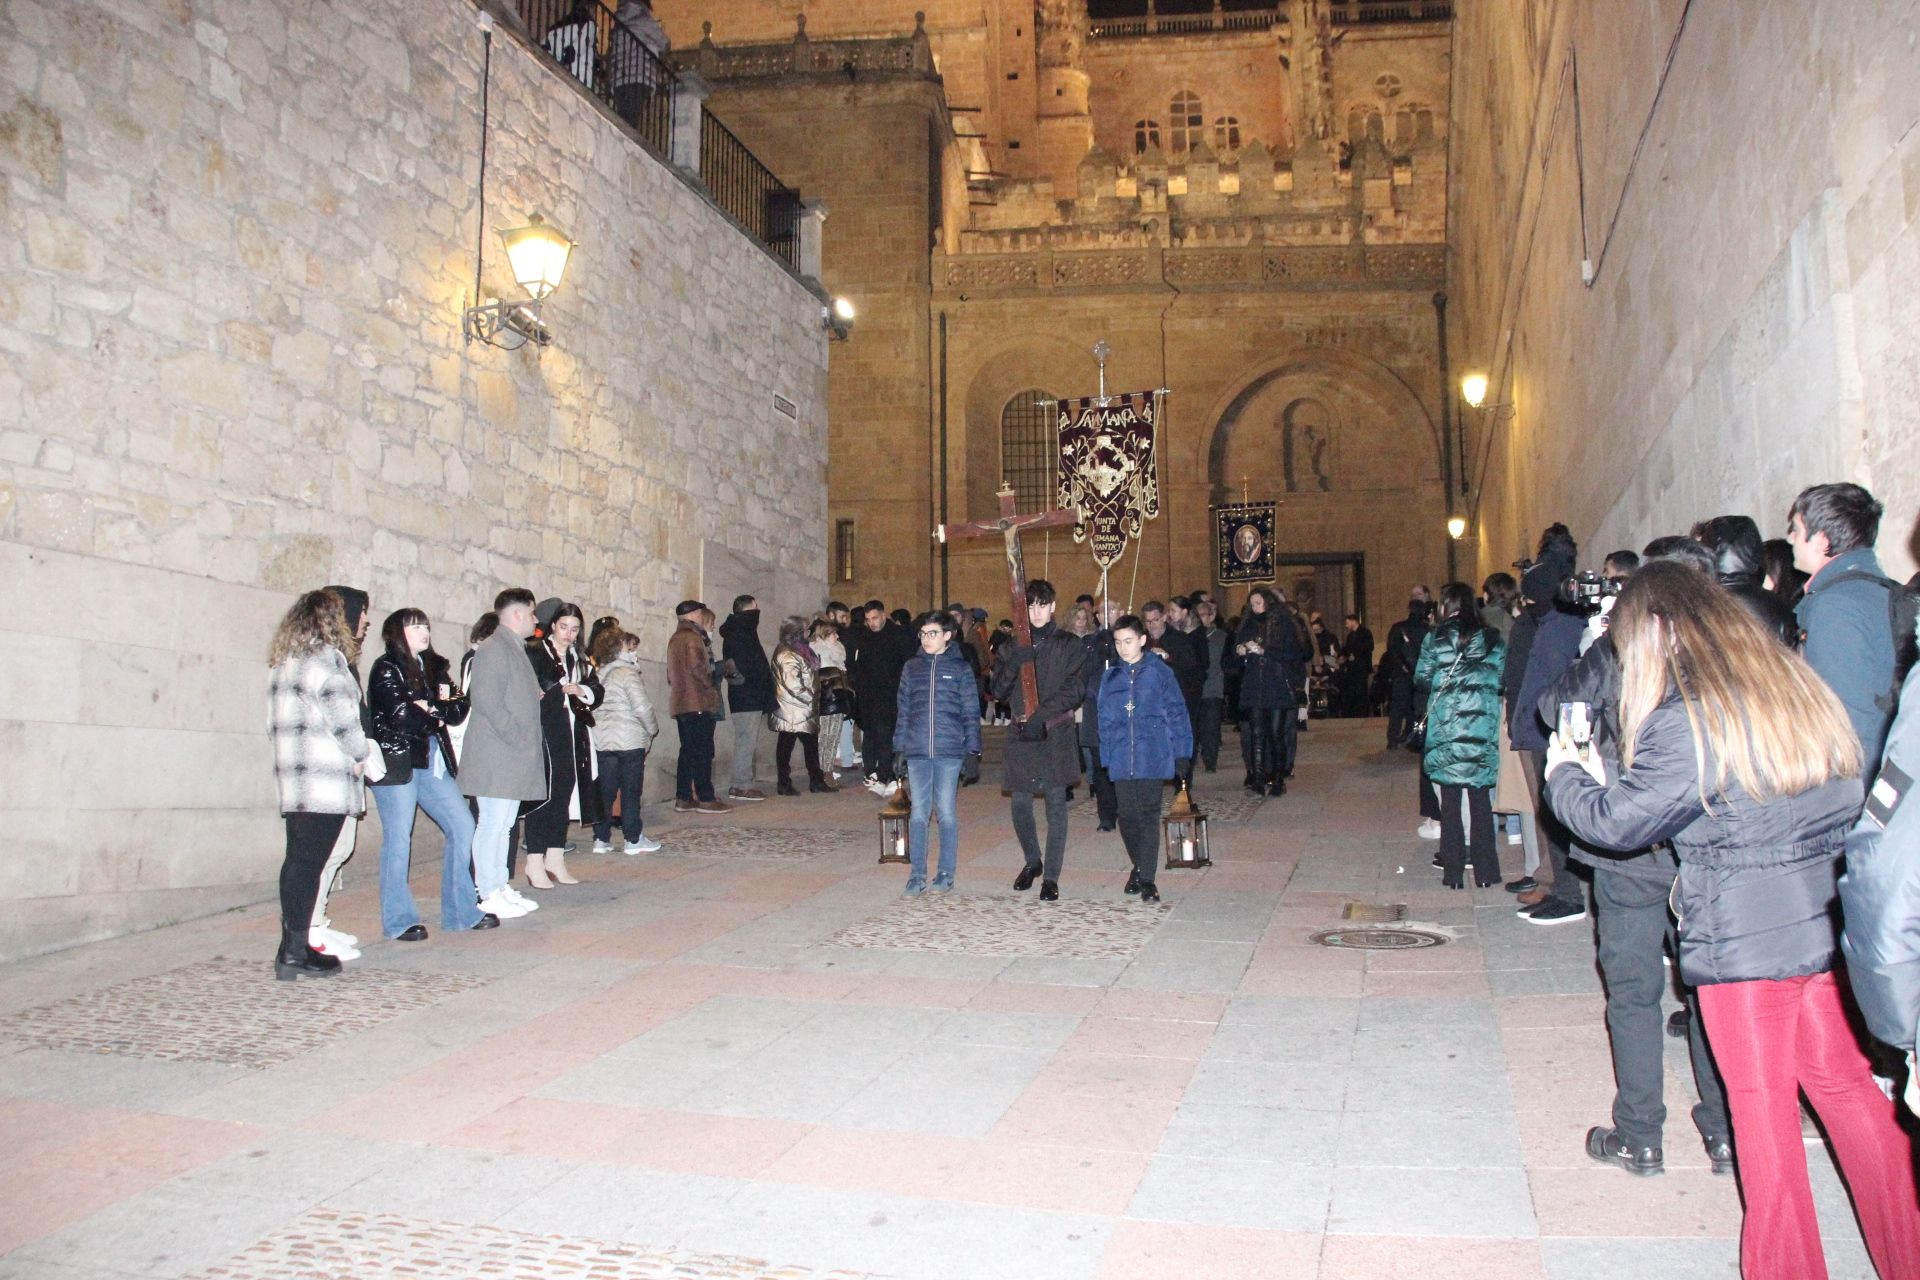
column 1845, row 614
column 503, row 760
column 1043, row 749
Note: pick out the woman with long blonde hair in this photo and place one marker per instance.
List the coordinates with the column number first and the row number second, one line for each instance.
column 1737, row 753
column 319, row 757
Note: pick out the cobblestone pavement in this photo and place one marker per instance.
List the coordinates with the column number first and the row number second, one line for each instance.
column 227, row 1010
column 775, row 844
column 748, row 1056
column 1002, row 926
column 330, row 1245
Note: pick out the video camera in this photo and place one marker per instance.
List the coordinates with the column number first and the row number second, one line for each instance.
column 1585, row 591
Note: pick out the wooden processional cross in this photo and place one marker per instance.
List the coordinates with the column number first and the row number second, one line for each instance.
column 1010, row 526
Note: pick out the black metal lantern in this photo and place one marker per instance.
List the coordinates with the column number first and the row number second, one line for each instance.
column 1186, row 832
column 893, row 825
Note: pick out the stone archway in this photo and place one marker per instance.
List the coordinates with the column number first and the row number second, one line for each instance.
column 1332, row 369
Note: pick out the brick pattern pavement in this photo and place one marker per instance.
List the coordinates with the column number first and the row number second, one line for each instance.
column 999, row 926
column 776, row 844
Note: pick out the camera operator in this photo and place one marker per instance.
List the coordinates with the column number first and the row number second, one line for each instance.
column 1545, row 643
column 1630, row 891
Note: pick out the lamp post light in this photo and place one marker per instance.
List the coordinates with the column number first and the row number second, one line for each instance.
column 1456, row 527
column 537, row 255
column 838, row 318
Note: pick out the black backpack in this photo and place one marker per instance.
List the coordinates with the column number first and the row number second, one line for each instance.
column 1903, row 608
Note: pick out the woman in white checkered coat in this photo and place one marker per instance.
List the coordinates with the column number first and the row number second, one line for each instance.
column 319, row 757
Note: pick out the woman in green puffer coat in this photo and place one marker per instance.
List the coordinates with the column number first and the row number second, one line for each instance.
column 1461, row 662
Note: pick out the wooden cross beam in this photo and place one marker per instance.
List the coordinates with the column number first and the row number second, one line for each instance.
column 1010, row 526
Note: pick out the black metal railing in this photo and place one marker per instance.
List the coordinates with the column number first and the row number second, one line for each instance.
column 611, row 60
column 748, row 190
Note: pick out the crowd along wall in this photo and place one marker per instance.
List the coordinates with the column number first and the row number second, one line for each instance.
column 1746, row 181
column 238, row 239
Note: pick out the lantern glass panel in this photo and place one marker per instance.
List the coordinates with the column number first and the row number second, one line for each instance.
column 538, row 255
column 893, row 838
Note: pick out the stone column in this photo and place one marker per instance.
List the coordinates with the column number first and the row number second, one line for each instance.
column 811, row 227
column 689, row 101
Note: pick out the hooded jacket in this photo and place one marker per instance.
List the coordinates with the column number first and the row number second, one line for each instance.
column 740, row 645
column 1757, row 889
column 1737, row 547
column 1849, row 642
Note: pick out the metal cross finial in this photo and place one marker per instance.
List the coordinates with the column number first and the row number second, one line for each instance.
column 1100, row 352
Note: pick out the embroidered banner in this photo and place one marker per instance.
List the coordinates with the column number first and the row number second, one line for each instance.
column 1243, row 542
column 1107, row 469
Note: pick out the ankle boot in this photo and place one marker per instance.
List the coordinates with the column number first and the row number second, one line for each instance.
column 785, row 788
column 557, row 867
column 296, row 959
column 537, row 871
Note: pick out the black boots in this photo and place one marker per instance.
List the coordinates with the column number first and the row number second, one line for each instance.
column 296, row 959
column 786, row 788
column 1133, row 882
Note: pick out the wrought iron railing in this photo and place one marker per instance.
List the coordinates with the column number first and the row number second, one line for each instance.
column 611, row 60
column 748, row 190
column 1343, row 13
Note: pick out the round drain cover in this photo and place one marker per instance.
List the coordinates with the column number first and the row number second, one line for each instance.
column 1378, row 939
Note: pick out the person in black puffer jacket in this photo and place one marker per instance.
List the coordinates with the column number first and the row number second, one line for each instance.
column 1736, row 752
column 1739, row 554
column 411, row 698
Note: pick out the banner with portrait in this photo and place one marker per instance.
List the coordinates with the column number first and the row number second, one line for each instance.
column 1107, row 469
column 1243, row 542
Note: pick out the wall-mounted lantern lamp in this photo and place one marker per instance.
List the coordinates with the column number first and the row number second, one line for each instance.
column 537, row 255
column 838, row 318
column 1473, row 389
column 1456, row 527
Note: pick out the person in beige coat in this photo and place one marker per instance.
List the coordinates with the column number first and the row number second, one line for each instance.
column 624, row 727
column 796, row 713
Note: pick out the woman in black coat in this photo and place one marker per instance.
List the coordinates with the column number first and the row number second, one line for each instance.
column 1737, row 753
column 570, row 690
column 1270, row 652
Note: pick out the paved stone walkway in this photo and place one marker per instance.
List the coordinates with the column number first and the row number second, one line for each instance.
column 747, row 1057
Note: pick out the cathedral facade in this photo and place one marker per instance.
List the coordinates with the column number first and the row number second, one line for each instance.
column 1247, row 204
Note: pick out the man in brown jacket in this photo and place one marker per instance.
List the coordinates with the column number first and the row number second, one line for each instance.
column 695, row 704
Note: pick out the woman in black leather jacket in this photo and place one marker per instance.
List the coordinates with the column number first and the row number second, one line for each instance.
column 1733, row 750
column 570, row 690
column 412, row 700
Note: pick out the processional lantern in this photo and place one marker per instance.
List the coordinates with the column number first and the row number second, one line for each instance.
column 893, row 825
column 1186, row 832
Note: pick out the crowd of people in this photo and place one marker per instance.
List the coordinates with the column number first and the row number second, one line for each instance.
column 1718, row 733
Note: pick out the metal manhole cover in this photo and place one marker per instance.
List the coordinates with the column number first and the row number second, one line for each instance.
column 1377, row 939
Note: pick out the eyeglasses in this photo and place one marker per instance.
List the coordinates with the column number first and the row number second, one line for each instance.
column 933, row 631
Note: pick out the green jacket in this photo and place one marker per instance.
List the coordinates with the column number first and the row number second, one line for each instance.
column 1463, row 707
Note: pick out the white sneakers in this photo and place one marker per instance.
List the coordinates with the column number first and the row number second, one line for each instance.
column 332, row 942
column 507, row 904
column 1429, row 830
column 645, row 844
column 601, row 846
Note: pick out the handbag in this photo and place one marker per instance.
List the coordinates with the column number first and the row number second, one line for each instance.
column 1416, row 739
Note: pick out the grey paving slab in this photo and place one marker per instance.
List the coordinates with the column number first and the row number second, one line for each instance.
column 1273, row 1135
column 1372, row 1200
column 1470, row 1133
column 1269, row 1084
column 1234, row 1193
column 614, row 1203
column 450, row 1184
column 1586, row 1258
column 92, row 1079
column 960, row 1090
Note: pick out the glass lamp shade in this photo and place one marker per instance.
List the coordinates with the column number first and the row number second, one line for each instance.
column 1186, row 834
column 538, row 255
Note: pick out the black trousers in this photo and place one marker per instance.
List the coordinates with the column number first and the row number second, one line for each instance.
column 1400, row 713
column 1634, row 927
column 546, row 823
column 1023, row 826
column 1104, row 804
column 1206, row 731
column 1429, row 796
column 809, row 752
column 1455, row 840
column 310, row 838
column 1139, row 800
column 876, row 744
column 1269, row 742
column 693, row 778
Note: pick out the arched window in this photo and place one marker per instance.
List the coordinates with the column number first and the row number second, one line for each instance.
column 1226, row 133
column 1030, row 448
column 1188, row 123
column 1146, row 133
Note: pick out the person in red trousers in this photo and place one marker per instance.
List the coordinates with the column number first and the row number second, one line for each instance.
column 1737, row 753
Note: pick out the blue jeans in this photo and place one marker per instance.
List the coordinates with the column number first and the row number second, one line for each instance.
column 622, row 773
column 442, row 801
column 934, row 783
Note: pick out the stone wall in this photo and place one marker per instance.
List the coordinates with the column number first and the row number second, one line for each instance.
column 1755, row 227
column 238, row 240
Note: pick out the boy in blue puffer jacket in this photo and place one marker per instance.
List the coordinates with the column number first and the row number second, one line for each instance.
column 937, row 728
column 1145, row 739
